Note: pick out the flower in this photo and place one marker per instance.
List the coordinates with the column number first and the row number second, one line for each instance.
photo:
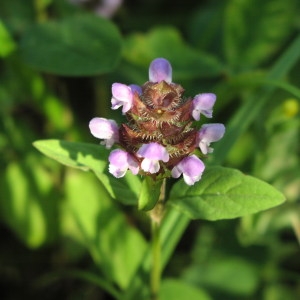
column 107, row 8
column 159, row 136
column 104, row 8
column 191, row 167
column 122, row 96
column 120, row 161
column 105, row 129
column 203, row 104
column 210, row 133
column 159, row 70
column 152, row 153
column 135, row 89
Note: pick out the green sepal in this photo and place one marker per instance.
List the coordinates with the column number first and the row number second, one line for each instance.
column 150, row 192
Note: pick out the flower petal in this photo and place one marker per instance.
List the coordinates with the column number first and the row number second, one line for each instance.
column 160, row 69
column 106, row 129
column 122, row 96
column 149, row 165
column 120, row 161
column 135, row 88
column 210, row 133
column 203, row 104
column 191, row 167
column 153, row 151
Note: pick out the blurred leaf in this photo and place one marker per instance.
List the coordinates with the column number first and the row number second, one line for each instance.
column 218, row 274
column 90, row 217
column 279, row 151
column 57, row 113
column 141, row 49
column 27, row 202
column 179, row 290
column 271, row 22
column 17, row 15
column 172, row 228
column 150, row 191
column 95, row 279
column 278, row 291
column 76, row 46
column 242, row 150
column 7, row 44
column 224, row 193
column 92, row 157
column 205, row 26
column 248, row 112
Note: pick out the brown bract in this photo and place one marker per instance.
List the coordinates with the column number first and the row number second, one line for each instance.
column 160, row 114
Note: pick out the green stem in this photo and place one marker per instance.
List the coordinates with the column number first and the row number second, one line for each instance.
column 156, row 217
column 156, row 259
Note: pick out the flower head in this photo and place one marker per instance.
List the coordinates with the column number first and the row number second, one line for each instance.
column 152, row 154
column 120, row 161
column 159, row 137
column 209, row 133
column 159, row 70
column 203, row 104
column 191, row 167
column 105, row 129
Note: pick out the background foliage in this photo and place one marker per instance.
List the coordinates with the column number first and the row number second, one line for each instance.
column 59, row 226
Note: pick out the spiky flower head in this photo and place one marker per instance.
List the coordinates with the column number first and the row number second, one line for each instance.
column 160, row 136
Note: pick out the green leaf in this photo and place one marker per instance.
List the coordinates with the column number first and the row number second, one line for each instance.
column 179, row 290
column 28, row 204
column 248, row 112
column 217, row 273
column 224, row 193
column 76, row 155
column 150, row 192
column 90, row 217
column 76, row 46
column 271, row 22
column 17, row 15
column 186, row 61
column 86, row 157
column 7, row 44
column 172, row 228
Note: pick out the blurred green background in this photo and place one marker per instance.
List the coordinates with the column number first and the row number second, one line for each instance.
column 58, row 59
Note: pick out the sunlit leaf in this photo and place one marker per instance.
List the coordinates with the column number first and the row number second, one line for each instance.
column 224, row 193
column 95, row 158
column 7, row 44
column 91, row 218
column 27, row 204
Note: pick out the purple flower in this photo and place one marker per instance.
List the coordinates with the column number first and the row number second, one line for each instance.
column 152, row 153
column 210, row 133
column 191, row 167
column 122, row 96
column 203, row 104
column 120, row 161
column 135, row 88
column 105, row 129
column 160, row 69
column 107, row 8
